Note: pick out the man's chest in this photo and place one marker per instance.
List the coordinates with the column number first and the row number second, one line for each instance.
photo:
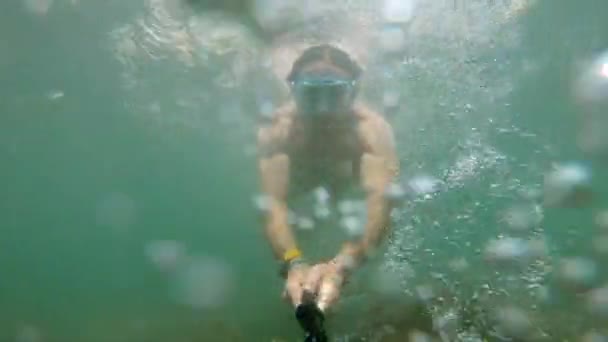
column 324, row 161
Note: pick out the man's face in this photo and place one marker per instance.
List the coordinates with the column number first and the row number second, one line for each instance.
column 323, row 90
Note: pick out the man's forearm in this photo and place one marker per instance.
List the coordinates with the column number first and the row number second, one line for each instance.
column 278, row 232
column 376, row 229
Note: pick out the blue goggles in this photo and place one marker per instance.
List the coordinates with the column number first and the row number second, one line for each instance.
column 323, row 95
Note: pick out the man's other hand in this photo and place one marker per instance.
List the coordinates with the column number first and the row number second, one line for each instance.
column 324, row 281
column 330, row 285
column 295, row 283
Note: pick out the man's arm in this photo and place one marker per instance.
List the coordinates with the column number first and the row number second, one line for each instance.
column 273, row 165
column 379, row 168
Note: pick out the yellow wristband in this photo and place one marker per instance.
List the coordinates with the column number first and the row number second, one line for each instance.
column 291, row 254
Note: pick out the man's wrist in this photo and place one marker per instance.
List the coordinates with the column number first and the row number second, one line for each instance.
column 291, row 258
column 351, row 256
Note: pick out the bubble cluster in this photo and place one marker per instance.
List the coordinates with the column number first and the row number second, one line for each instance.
column 391, row 98
column 353, row 226
column 55, row 95
column 351, row 207
column 28, row 333
column 458, row 264
column 594, row 336
column 600, row 244
column 322, row 196
column 419, row 336
column 387, row 283
column 117, row 211
column 266, row 109
column 448, row 325
column 262, row 203
column 39, row 7
column 597, row 302
column 425, row 292
column 398, row 11
column 523, row 217
column 424, row 185
column 392, row 39
column 321, row 212
column 274, row 15
column 591, row 91
column 591, row 87
column 601, row 220
column 395, row 192
column 513, row 321
column 577, row 273
column 508, row 251
column 166, row 255
column 305, row 223
column 321, row 208
column 204, row 283
column 568, row 185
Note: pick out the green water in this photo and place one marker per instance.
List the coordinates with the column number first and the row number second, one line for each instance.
column 66, row 273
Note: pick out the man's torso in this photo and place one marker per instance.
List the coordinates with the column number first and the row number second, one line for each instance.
column 326, row 157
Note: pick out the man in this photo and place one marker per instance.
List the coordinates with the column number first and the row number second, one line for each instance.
column 324, row 138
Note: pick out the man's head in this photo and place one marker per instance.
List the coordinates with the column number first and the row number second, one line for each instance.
column 324, row 81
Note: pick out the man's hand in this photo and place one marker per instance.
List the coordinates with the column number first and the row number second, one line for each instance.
column 330, row 285
column 323, row 281
column 295, row 283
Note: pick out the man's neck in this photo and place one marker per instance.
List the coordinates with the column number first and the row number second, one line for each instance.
column 327, row 122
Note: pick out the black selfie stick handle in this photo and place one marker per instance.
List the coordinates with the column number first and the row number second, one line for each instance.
column 311, row 320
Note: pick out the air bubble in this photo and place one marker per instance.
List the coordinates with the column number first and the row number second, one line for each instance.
column 577, row 273
column 423, row 185
column 597, row 302
column 419, row 336
column 513, row 321
column 392, row 39
column 523, row 217
column 262, row 202
column 395, row 192
column 391, row 98
column 321, row 212
column 275, row 15
column 594, row 336
column 425, row 292
column 351, row 207
column 568, row 185
column 447, row 325
column 600, row 244
column 398, row 11
column 507, row 250
column 117, row 211
column 166, row 255
column 40, row 7
column 537, row 248
column 55, row 95
column 352, row 225
column 305, row 223
column 591, row 87
column 458, row 265
column 28, row 333
column 322, row 196
column 543, row 293
column 204, row 283
column 267, row 110
column 387, row 283
column 601, row 220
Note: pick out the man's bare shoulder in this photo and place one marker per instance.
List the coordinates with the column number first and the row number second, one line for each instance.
column 273, row 134
column 372, row 122
column 377, row 138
